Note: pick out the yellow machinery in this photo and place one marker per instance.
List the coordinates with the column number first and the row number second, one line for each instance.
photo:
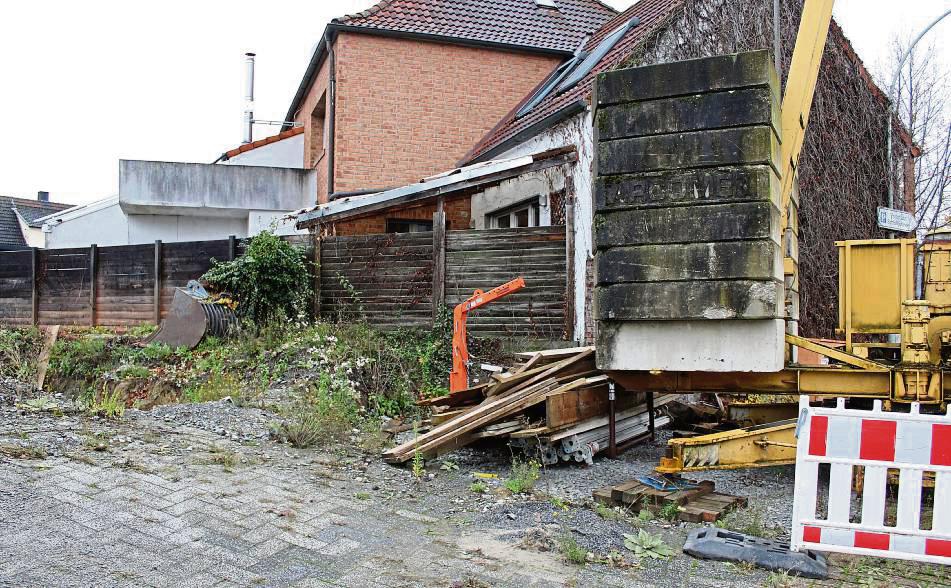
column 876, row 298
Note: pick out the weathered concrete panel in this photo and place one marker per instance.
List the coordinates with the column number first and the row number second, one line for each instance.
column 700, row 186
column 709, row 300
column 740, row 146
column 757, row 260
column 695, row 346
column 694, row 76
column 734, row 108
column 687, row 224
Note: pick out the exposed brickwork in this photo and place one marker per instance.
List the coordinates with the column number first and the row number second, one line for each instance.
column 408, row 109
column 457, row 218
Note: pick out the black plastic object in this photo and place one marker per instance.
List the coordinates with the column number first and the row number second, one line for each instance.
column 723, row 545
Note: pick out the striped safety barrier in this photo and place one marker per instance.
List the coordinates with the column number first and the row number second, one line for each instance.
column 917, row 446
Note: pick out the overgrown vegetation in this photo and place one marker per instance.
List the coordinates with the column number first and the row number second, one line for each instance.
column 570, row 548
column 18, row 351
column 270, row 280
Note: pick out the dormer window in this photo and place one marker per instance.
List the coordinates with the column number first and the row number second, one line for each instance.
column 546, row 4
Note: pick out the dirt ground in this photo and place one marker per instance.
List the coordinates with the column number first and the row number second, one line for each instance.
column 200, row 495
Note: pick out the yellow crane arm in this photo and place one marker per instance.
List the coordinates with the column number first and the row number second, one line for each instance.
column 800, row 89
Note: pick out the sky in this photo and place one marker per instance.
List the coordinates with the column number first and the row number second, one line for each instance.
column 84, row 84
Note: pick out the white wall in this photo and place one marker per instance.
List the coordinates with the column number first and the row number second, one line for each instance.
column 285, row 153
column 517, row 190
column 104, row 226
column 577, row 131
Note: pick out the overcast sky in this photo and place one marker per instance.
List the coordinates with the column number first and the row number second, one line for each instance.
column 83, row 84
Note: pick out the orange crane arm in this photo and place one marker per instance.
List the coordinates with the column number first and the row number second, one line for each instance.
column 459, row 378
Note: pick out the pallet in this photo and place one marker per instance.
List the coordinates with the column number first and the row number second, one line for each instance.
column 696, row 505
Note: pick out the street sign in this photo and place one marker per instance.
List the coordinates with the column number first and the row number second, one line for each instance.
column 896, row 220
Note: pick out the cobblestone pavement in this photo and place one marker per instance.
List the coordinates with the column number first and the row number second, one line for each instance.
column 145, row 502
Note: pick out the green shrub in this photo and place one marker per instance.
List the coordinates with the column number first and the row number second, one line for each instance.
column 269, row 281
column 82, row 358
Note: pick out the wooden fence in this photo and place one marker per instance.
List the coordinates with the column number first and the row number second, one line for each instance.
column 389, row 280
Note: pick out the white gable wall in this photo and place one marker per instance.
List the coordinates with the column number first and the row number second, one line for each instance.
column 287, row 152
column 577, row 131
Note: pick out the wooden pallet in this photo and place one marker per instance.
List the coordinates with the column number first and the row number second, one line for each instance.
column 695, row 505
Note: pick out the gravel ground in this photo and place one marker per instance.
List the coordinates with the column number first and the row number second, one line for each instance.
column 520, row 530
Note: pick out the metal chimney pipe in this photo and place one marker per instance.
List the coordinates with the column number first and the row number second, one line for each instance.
column 43, row 196
column 248, row 120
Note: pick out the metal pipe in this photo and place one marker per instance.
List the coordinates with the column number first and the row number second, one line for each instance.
column 612, row 423
column 248, row 121
column 891, row 98
column 331, row 118
column 650, row 414
column 777, row 40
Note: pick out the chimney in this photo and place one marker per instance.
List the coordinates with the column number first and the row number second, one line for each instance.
column 43, row 196
column 248, row 120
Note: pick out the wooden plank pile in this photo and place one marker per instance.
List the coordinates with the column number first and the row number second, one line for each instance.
column 697, row 503
column 555, row 402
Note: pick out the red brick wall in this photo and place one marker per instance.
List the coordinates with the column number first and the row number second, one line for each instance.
column 314, row 156
column 408, row 109
column 457, row 218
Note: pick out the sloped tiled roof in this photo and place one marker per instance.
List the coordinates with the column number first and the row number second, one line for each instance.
column 521, row 23
column 262, row 142
column 652, row 13
column 30, row 210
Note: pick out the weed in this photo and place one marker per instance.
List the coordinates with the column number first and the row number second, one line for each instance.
column 670, row 511
column 216, row 387
column 449, row 466
column 419, row 468
column 22, row 452
column 644, row 515
column 40, row 404
column 226, row 458
column 479, row 487
column 326, row 412
column 779, row 580
column 108, row 405
column 362, row 496
column 524, row 476
column 643, row 544
column 608, row 514
column 129, row 372
column 573, row 552
column 749, row 521
column 18, row 351
column 558, row 503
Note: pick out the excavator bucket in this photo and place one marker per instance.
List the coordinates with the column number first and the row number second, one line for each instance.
column 191, row 318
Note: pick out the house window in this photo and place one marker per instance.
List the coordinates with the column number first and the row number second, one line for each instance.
column 521, row 215
column 395, row 225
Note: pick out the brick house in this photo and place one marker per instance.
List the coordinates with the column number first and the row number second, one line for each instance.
column 404, row 89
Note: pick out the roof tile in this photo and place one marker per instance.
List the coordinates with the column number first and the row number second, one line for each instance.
column 652, row 13
column 509, row 22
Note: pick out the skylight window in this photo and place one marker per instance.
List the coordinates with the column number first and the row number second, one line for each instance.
column 575, row 69
column 546, row 4
column 597, row 55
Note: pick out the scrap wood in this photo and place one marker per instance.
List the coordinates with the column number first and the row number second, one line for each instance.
column 698, row 504
column 489, row 411
column 472, row 395
column 560, row 369
column 551, row 355
column 44, row 360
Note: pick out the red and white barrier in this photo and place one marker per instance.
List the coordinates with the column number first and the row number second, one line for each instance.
column 911, row 443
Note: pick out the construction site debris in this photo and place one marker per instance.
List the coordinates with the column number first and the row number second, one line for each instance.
column 696, row 502
column 554, row 404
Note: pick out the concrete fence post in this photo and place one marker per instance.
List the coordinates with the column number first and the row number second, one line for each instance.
column 157, row 290
column 35, row 302
column 93, row 269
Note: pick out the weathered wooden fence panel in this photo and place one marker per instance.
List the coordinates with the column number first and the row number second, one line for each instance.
column 16, row 287
column 386, row 279
column 481, row 260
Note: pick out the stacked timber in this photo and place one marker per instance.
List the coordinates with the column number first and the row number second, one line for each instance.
column 555, row 403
